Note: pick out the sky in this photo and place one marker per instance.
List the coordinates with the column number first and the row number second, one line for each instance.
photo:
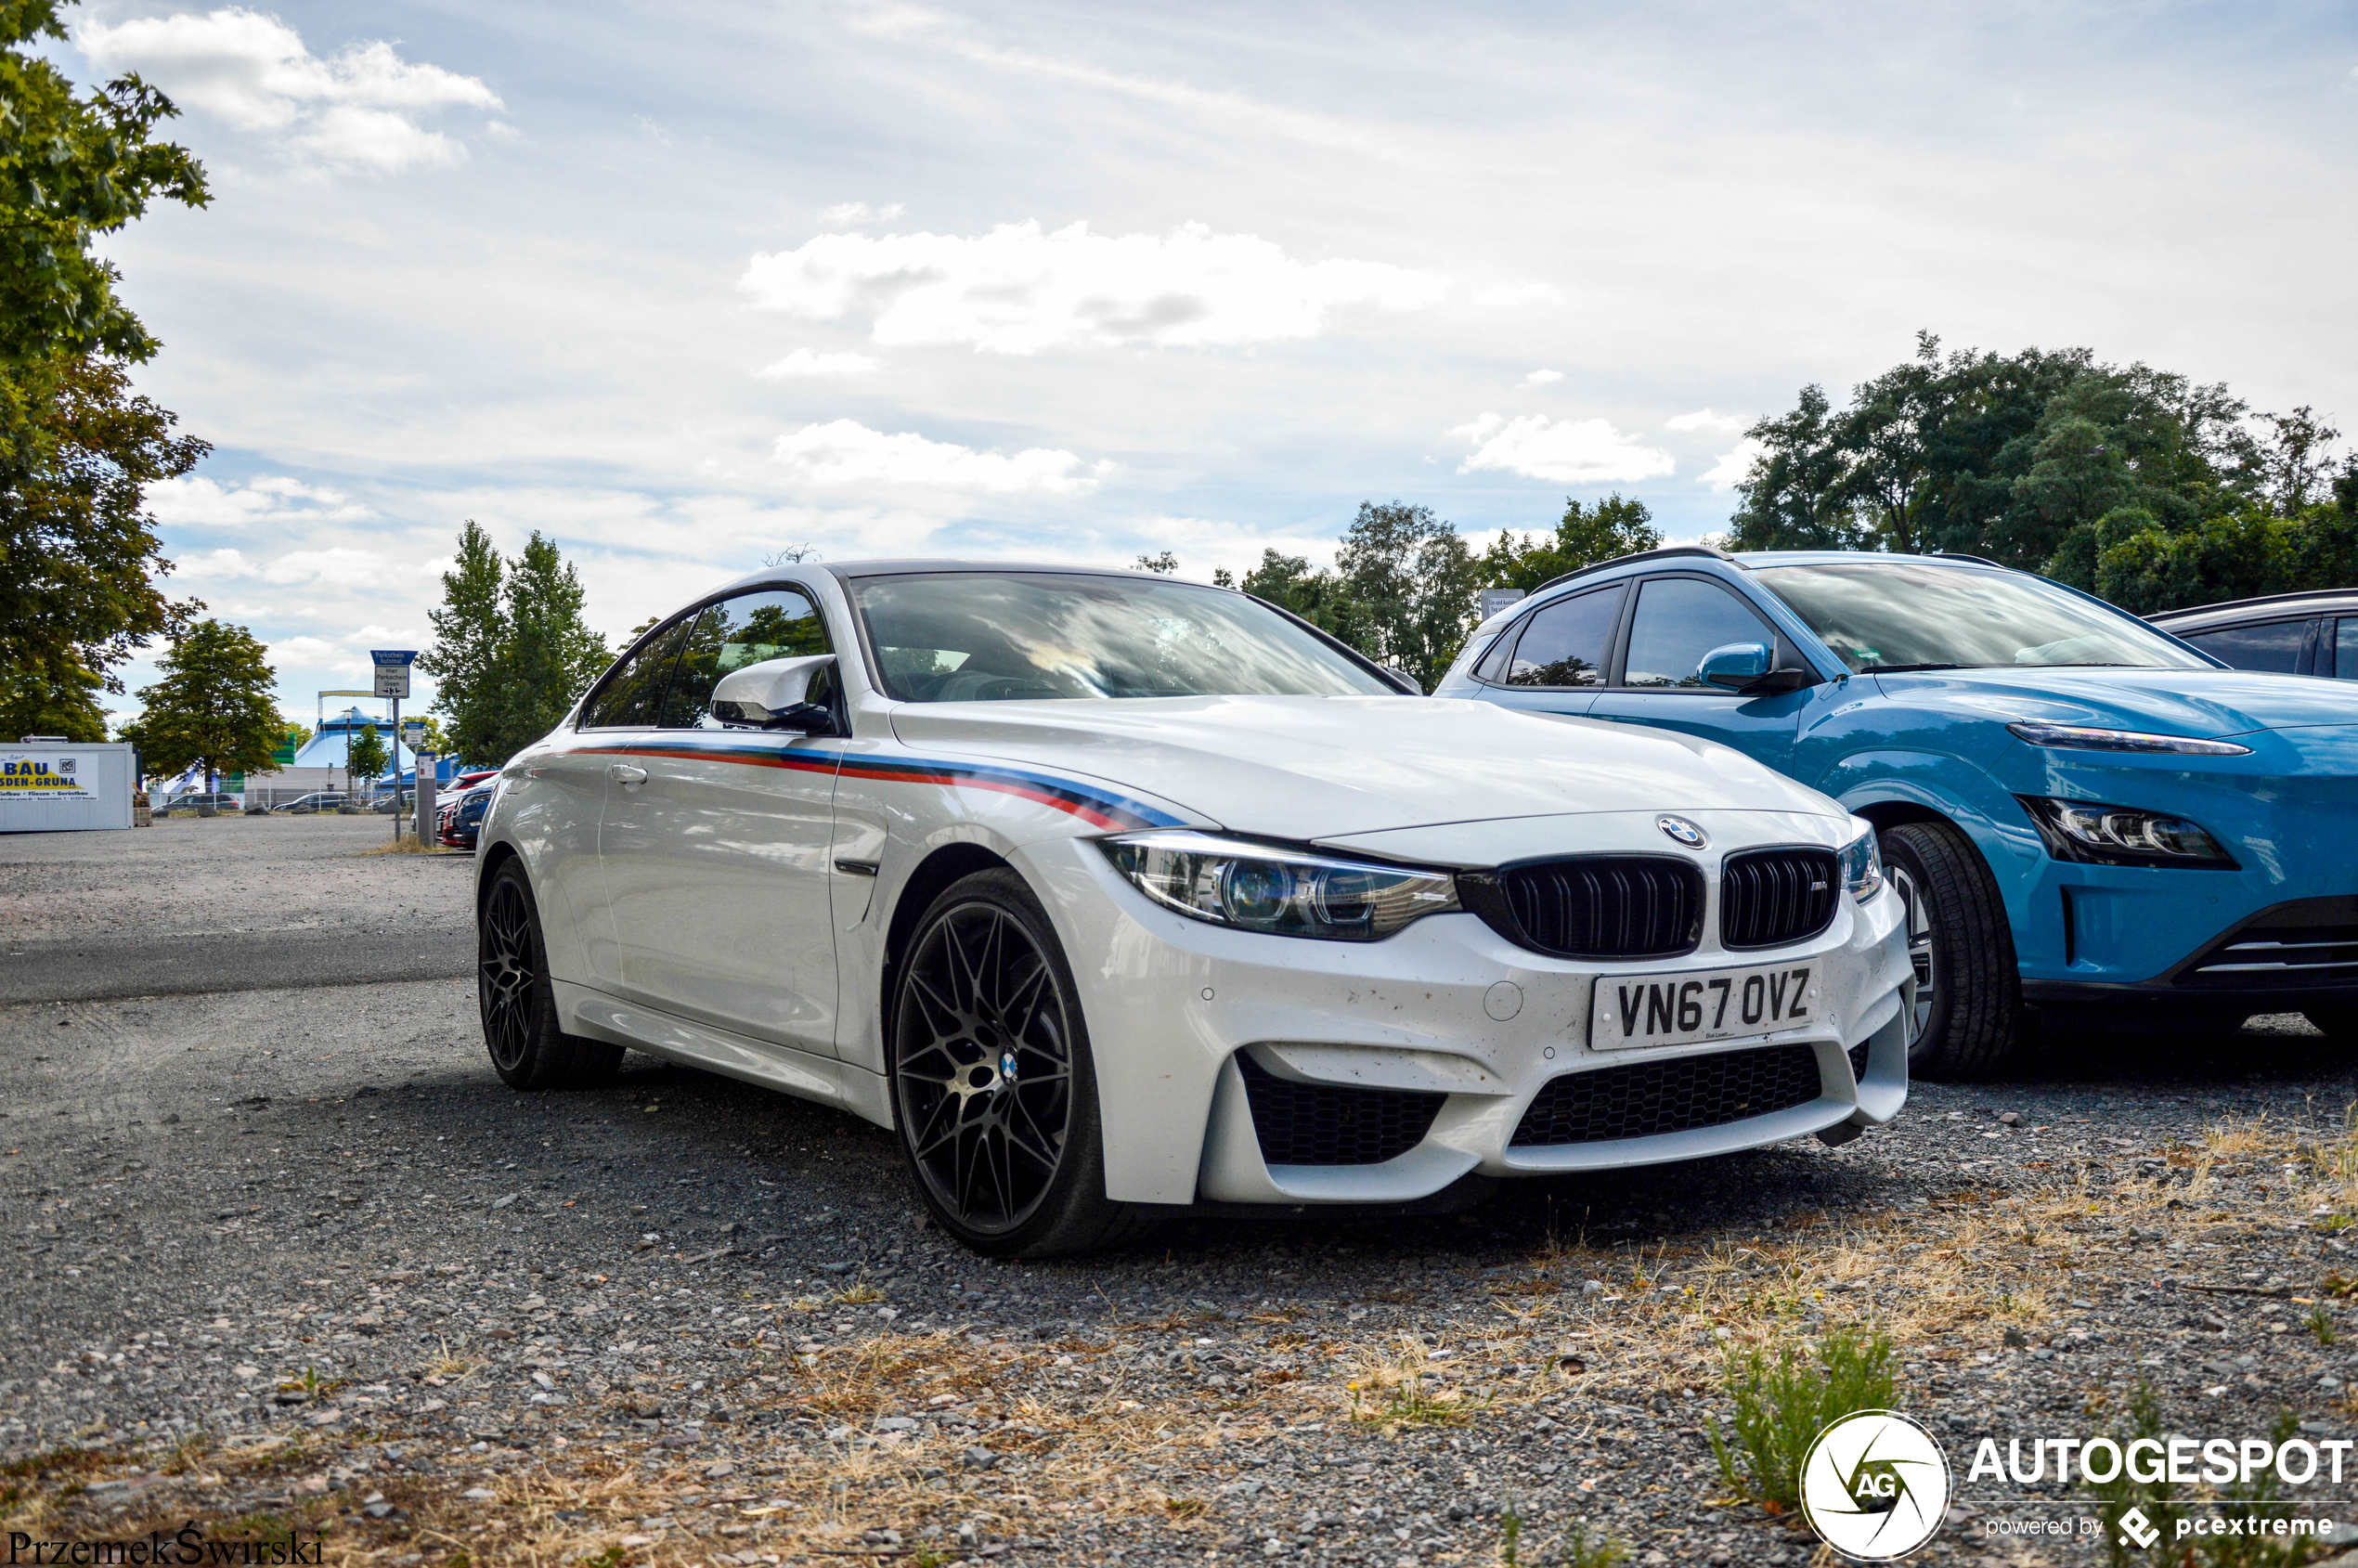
column 684, row 288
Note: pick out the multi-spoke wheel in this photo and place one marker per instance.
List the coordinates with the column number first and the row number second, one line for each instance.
column 1968, row 990
column 519, row 1007
column 993, row 1089
column 1921, row 954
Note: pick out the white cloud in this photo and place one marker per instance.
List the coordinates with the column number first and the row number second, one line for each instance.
column 355, row 110
column 847, row 452
column 804, row 362
column 851, row 213
column 1017, row 290
column 1568, row 451
column 1734, row 464
column 272, row 498
column 1704, row 419
column 339, row 564
column 1543, row 378
column 1507, row 296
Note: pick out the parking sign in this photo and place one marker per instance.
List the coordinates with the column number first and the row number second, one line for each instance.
column 393, row 671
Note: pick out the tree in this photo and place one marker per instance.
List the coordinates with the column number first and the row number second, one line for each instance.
column 1164, row 563
column 366, row 758
column 470, row 635
column 1411, row 588
column 1584, row 535
column 212, row 708
column 54, row 697
column 511, row 652
column 78, row 552
column 76, row 450
column 2135, row 483
column 550, row 655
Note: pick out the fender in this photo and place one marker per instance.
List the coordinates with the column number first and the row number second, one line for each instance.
column 1964, row 794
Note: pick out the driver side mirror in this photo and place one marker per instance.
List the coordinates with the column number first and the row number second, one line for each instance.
column 775, row 694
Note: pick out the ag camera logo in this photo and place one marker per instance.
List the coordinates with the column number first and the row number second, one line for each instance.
column 1875, row 1485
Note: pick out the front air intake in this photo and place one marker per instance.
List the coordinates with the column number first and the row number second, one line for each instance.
column 1331, row 1124
column 1648, row 1099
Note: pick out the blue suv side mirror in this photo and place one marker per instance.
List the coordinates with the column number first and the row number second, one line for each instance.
column 1743, row 667
column 1735, row 664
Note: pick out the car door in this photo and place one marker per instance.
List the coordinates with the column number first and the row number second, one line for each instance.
column 1554, row 660
column 2279, row 647
column 1675, row 621
column 621, row 711
column 715, row 841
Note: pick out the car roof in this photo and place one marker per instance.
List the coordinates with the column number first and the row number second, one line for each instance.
column 2267, row 606
column 848, row 571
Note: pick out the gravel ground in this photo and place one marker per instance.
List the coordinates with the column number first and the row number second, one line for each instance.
column 293, row 1258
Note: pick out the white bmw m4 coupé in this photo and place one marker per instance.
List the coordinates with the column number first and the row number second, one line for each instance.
column 1110, row 893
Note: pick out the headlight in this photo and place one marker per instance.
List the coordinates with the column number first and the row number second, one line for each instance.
column 2078, row 737
column 1283, row 891
column 1862, row 867
column 2082, row 830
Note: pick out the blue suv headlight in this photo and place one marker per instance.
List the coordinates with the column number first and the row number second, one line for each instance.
column 2100, row 835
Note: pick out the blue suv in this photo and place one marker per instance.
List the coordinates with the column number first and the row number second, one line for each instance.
column 2081, row 811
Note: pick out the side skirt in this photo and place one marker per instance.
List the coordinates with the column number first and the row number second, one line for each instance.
column 824, row 1079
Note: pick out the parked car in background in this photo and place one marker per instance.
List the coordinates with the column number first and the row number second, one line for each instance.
column 1109, row 893
column 2286, row 633
column 322, row 801
column 2079, row 810
column 459, row 819
column 190, row 800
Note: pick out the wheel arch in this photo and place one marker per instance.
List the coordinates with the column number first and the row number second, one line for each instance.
column 932, row 876
column 494, row 857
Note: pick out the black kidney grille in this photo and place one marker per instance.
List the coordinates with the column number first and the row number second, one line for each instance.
column 1330, row 1124
column 1606, row 906
column 1768, row 897
column 1646, row 1099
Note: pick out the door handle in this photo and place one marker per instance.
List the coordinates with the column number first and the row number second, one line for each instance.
column 627, row 775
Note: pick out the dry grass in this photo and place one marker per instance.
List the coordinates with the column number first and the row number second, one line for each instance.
column 1943, row 1284
column 409, row 844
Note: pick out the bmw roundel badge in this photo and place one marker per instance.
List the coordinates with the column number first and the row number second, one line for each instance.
column 1679, row 830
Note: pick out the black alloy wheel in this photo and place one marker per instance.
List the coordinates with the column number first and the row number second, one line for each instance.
column 1962, row 950
column 994, row 1094
column 518, row 1006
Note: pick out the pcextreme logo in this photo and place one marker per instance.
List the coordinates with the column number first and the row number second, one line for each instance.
column 1875, row 1485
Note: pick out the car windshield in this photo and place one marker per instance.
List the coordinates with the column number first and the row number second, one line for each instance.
column 950, row 637
column 1896, row 616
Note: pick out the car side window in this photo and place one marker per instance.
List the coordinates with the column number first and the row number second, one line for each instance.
column 1568, row 642
column 1678, row 621
column 2346, row 648
column 2273, row 645
column 776, row 623
column 633, row 695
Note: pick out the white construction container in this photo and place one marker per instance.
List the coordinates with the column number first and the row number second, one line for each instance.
column 56, row 786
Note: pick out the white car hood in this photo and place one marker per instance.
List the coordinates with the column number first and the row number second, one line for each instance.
column 1319, row 768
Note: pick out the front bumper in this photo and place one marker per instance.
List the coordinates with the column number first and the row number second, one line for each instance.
column 1185, row 1016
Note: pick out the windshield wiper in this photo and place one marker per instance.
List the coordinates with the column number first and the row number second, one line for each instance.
column 1907, row 668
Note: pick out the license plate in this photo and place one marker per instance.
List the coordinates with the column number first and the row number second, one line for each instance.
column 1678, row 1009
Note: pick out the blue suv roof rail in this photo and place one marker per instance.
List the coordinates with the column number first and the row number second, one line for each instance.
column 1711, row 549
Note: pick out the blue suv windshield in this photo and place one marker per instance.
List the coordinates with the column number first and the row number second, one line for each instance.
column 1896, row 616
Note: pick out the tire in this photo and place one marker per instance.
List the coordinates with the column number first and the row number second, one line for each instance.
column 995, row 1091
column 2337, row 1022
column 518, row 1003
column 1968, row 989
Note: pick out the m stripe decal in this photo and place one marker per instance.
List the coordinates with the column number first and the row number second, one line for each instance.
column 1094, row 806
